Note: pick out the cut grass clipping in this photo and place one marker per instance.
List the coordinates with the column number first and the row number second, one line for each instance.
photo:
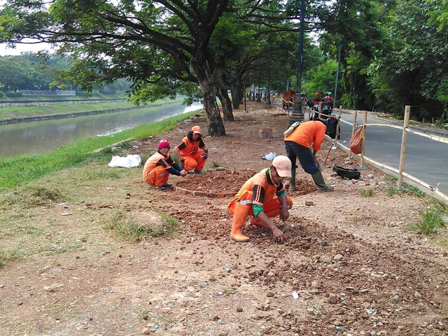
column 139, row 225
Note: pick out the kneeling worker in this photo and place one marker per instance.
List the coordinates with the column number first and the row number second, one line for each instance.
column 256, row 198
column 159, row 167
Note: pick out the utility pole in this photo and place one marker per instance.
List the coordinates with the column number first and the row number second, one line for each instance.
column 297, row 113
column 337, row 78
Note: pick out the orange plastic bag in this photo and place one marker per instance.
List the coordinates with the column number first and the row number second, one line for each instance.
column 357, row 141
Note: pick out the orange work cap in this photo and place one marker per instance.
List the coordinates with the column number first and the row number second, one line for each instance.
column 196, row 129
column 283, row 165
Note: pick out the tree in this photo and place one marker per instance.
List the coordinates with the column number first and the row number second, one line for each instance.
column 160, row 45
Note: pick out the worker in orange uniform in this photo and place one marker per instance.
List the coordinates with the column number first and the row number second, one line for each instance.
column 256, row 198
column 191, row 151
column 298, row 143
column 159, row 167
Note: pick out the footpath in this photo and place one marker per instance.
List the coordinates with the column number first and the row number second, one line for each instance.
column 351, row 264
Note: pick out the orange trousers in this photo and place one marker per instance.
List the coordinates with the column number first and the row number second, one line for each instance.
column 157, row 176
column 240, row 210
column 195, row 161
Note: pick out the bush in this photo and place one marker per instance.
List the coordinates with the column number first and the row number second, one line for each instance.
column 13, row 94
column 1, row 94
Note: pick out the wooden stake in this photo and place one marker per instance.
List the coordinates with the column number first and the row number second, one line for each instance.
column 336, row 136
column 364, row 123
column 404, row 139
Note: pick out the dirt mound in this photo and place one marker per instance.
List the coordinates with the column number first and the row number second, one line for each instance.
column 217, row 181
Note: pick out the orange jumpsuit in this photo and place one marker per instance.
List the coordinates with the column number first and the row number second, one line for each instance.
column 155, row 171
column 193, row 156
column 257, row 195
column 310, row 132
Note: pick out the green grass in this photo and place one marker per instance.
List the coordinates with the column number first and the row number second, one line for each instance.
column 366, row 192
column 406, row 189
column 432, row 217
column 20, row 170
column 430, row 223
column 8, row 256
column 125, row 225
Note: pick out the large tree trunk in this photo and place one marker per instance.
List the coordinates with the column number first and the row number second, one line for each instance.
column 237, row 91
column 209, row 88
column 226, row 104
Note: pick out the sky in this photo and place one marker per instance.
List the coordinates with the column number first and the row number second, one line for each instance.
column 4, row 50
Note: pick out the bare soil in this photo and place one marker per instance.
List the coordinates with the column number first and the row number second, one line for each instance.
column 351, row 265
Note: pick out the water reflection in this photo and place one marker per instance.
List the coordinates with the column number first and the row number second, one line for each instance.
column 41, row 136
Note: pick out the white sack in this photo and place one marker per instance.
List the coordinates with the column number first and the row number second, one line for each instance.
column 125, row 162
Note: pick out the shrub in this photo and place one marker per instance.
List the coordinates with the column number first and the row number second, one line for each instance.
column 13, row 94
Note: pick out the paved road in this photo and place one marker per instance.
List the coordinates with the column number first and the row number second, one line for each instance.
column 426, row 159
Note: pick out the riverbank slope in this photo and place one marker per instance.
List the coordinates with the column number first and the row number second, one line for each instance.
column 10, row 115
column 351, row 264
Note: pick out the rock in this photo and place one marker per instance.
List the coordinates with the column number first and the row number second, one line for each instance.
column 337, row 257
column 333, row 298
column 146, row 331
column 417, row 295
column 309, row 203
column 239, row 309
column 220, row 169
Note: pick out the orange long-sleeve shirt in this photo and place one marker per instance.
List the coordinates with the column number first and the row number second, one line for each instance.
column 309, row 132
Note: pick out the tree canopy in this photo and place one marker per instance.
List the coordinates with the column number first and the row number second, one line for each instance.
column 392, row 52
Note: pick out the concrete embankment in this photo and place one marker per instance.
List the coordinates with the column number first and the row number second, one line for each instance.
column 72, row 115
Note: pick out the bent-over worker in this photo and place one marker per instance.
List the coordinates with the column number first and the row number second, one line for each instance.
column 191, row 151
column 159, row 166
column 256, row 198
column 298, row 144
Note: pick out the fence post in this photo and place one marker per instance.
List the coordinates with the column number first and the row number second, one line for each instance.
column 355, row 117
column 404, row 139
column 338, row 128
column 364, row 123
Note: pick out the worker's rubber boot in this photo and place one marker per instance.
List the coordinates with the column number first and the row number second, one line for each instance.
column 319, row 180
column 239, row 217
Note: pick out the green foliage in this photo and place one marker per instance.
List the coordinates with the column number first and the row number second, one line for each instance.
column 323, row 79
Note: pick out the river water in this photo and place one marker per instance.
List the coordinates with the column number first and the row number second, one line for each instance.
column 47, row 135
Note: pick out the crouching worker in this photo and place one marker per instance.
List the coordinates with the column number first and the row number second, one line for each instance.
column 191, row 151
column 159, row 167
column 256, row 198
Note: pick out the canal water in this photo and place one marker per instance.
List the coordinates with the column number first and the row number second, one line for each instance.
column 42, row 136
